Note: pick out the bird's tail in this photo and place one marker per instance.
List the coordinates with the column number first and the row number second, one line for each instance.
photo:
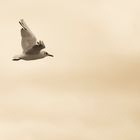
column 16, row 58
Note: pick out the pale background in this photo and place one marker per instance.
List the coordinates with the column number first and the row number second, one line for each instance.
column 90, row 89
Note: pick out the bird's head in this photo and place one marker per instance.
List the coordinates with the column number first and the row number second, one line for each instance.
column 47, row 54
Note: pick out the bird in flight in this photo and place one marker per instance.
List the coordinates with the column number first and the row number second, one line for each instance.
column 32, row 49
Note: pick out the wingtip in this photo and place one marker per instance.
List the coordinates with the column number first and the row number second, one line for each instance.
column 23, row 24
column 21, row 19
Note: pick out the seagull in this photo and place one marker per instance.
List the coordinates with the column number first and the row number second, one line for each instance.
column 32, row 49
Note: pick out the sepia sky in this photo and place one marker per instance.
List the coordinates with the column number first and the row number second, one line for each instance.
column 89, row 90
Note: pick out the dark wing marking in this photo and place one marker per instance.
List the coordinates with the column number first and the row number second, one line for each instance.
column 36, row 48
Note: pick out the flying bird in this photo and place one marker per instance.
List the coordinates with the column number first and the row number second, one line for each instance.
column 32, row 49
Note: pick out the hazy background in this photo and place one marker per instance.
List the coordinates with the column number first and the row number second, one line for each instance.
column 90, row 89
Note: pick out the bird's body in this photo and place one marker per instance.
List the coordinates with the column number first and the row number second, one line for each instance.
column 31, row 48
column 28, row 57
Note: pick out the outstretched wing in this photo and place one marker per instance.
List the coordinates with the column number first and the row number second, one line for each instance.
column 36, row 48
column 28, row 38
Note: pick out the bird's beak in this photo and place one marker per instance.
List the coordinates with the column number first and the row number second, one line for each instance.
column 50, row 55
